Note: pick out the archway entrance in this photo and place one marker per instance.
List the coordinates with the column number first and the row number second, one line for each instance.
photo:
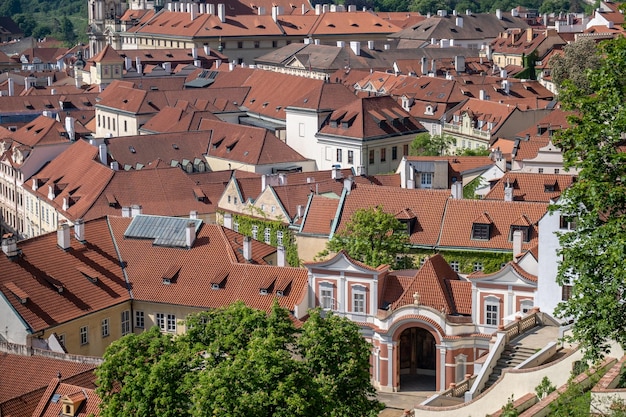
column 418, row 365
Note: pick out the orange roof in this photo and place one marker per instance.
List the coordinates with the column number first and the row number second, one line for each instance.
column 44, row 269
column 321, row 212
column 41, row 131
column 460, row 215
column 88, row 399
column 531, row 186
column 108, row 54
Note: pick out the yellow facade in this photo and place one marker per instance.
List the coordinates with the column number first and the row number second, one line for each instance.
column 97, row 337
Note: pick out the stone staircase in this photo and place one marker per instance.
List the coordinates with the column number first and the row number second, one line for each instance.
column 512, row 356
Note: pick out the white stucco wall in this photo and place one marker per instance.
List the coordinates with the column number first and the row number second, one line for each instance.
column 548, row 291
column 12, row 328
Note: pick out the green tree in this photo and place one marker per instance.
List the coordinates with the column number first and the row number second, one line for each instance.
column 593, row 254
column 577, row 59
column 67, row 31
column 425, row 144
column 236, row 361
column 27, row 23
column 372, row 236
column 10, row 8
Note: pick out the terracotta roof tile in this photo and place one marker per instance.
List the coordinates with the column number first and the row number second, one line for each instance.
column 43, row 268
column 87, row 400
column 462, row 296
column 320, row 215
column 531, row 186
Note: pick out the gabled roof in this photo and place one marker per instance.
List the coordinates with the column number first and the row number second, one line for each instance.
column 461, row 215
column 43, row 269
column 75, row 176
column 358, row 22
column 427, row 205
column 320, row 215
column 41, row 131
column 431, row 282
column 108, row 55
column 487, row 112
column 509, row 268
column 371, row 117
column 531, row 186
column 292, row 196
column 192, row 287
column 247, row 144
column 51, row 404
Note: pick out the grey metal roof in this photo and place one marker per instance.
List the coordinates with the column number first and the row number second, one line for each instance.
column 164, row 231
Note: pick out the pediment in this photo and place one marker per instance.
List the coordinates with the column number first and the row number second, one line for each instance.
column 294, row 62
column 342, row 262
column 505, row 277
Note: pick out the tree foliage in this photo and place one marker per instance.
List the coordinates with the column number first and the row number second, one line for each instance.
column 425, row 144
column 593, row 254
column 577, row 58
column 372, row 236
column 236, row 361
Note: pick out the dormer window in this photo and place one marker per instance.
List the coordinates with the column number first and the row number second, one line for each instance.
column 263, row 291
column 279, row 293
column 481, row 231
column 215, row 286
column 525, row 232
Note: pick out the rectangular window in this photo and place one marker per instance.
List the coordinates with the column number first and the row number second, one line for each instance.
column 455, row 266
column 480, row 231
column 541, row 170
column 383, row 154
column 427, row 179
column 236, row 226
column 326, row 298
column 351, row 157
column 84, row 335
column 239, row 45
column 267, row 235
column 279, row 238
column 394, row 153
column 255, row 232
column 405, row 150
column 61, row 339
column 125, row 125
column 160, row 321
column 125, row 322
column 371, row 156
column 556, row 170
column 301, row 130
column 339, row 154
column 257, row 44
column 491, row 316
column 274, row 44
column 139, row 319
column 567, row 223
column 566, row 292
column 105, row 327
column 171, row 323
column 478, row 266
column 358, row 302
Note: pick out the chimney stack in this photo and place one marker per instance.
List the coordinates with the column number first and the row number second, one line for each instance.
column 79, row 230
column 9, row 247
column 457, row 190
column 347, row 184
column 102, row 152
column 517, row 243
column 11, row 87
column 125, row 211
column 228, row 221
column 508, row 191
column 190, row 234
column 69, row 128
column 280, row 256
column 247, row 248
column 193, row 214
column 63, row 236
column 356, row 47
column 221, row 12
column 135, row 210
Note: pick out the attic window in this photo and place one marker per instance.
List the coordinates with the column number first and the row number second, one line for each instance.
column 331, row 25
column 132, row 149
column 219, row 280
column 89, row 273
column 355, row 25
column 20, row 294
column 525, row 232
column 170, row 274
column 280, row 293
column 111, row 199
column 199, row 194
column 263, row 291
column 215, row 286
column 28, row 105
column 175, row 146
column 549, row 188
column 481, row 231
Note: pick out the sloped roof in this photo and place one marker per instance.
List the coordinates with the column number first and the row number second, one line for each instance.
column 531, row 186
column 371, row 117
column 44, row 268
column 108, row 54
column 460, row 215
column 89, row 406
column 198, row 269
column 320, row 215
column 428, row 206
column 292, row 196
column 41, row 131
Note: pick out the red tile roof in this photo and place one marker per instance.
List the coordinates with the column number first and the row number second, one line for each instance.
column 43, row 268
column 531, row 186
column 428, row 206
column 321, row 213
column 144, row 262
column 41, row 131
column 460, row 215
column 87, row 399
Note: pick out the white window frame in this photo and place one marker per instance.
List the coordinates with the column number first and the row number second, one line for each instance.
column 125, row 322
column 140, row 319
column 359, row 299
column 160, row 321
column 255, row 232
column 455, row 265
column 279, row 237
column 492, row 310
column 525, row 306
column 171, row 323
column 267, row 235
column 327, row 296
column 426, row 179
column 105, row 327
column 84, row 335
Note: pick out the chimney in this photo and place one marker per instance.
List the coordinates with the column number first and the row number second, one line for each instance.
column 193, row 10
column 69, row 128
column 207, row 50
column 194, row 52
column 218, row 62
column 128, row 63
column 231, row 65
column 66, row 203
column 424, row 65
column 135, row 210
column 303, row 9
column 434, row 67
column 459, row 21
column 499, row 14
column 300, row 210
column 263, row 182
column 193, row 214
column 167, row 66
column 139, row 69
column 370, row 45
column 51, row 194
column 210, row 8
column 457, row 190
column 482, row 95
column 9, row 247
column 190, row 234
column 529, row 34
column 356, row 47
column 336, row 174
column 503, row 73
column 228, row 221
column 386, row 47
column 79, row 230
column 280, row 256
column 325, row 8
column 275, row 13
column 347, row 184
column 63, row 236
column 125, row 211
column 221, row 12
column 459, row 63
column 316, row 42
column 11, row 87
column 247, row 248
column 341, row 44
column 49, row 81
column 318, row 9
column 508, row 191
column 102, row 152
column 115, row 166
column 505, row 86
column 170, row 7
column 517, row 243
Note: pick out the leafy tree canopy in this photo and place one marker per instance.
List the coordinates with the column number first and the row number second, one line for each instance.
column 236, row 361
column 425, row 144
column 593, row 254
column 577, row 58
column 372, row 236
